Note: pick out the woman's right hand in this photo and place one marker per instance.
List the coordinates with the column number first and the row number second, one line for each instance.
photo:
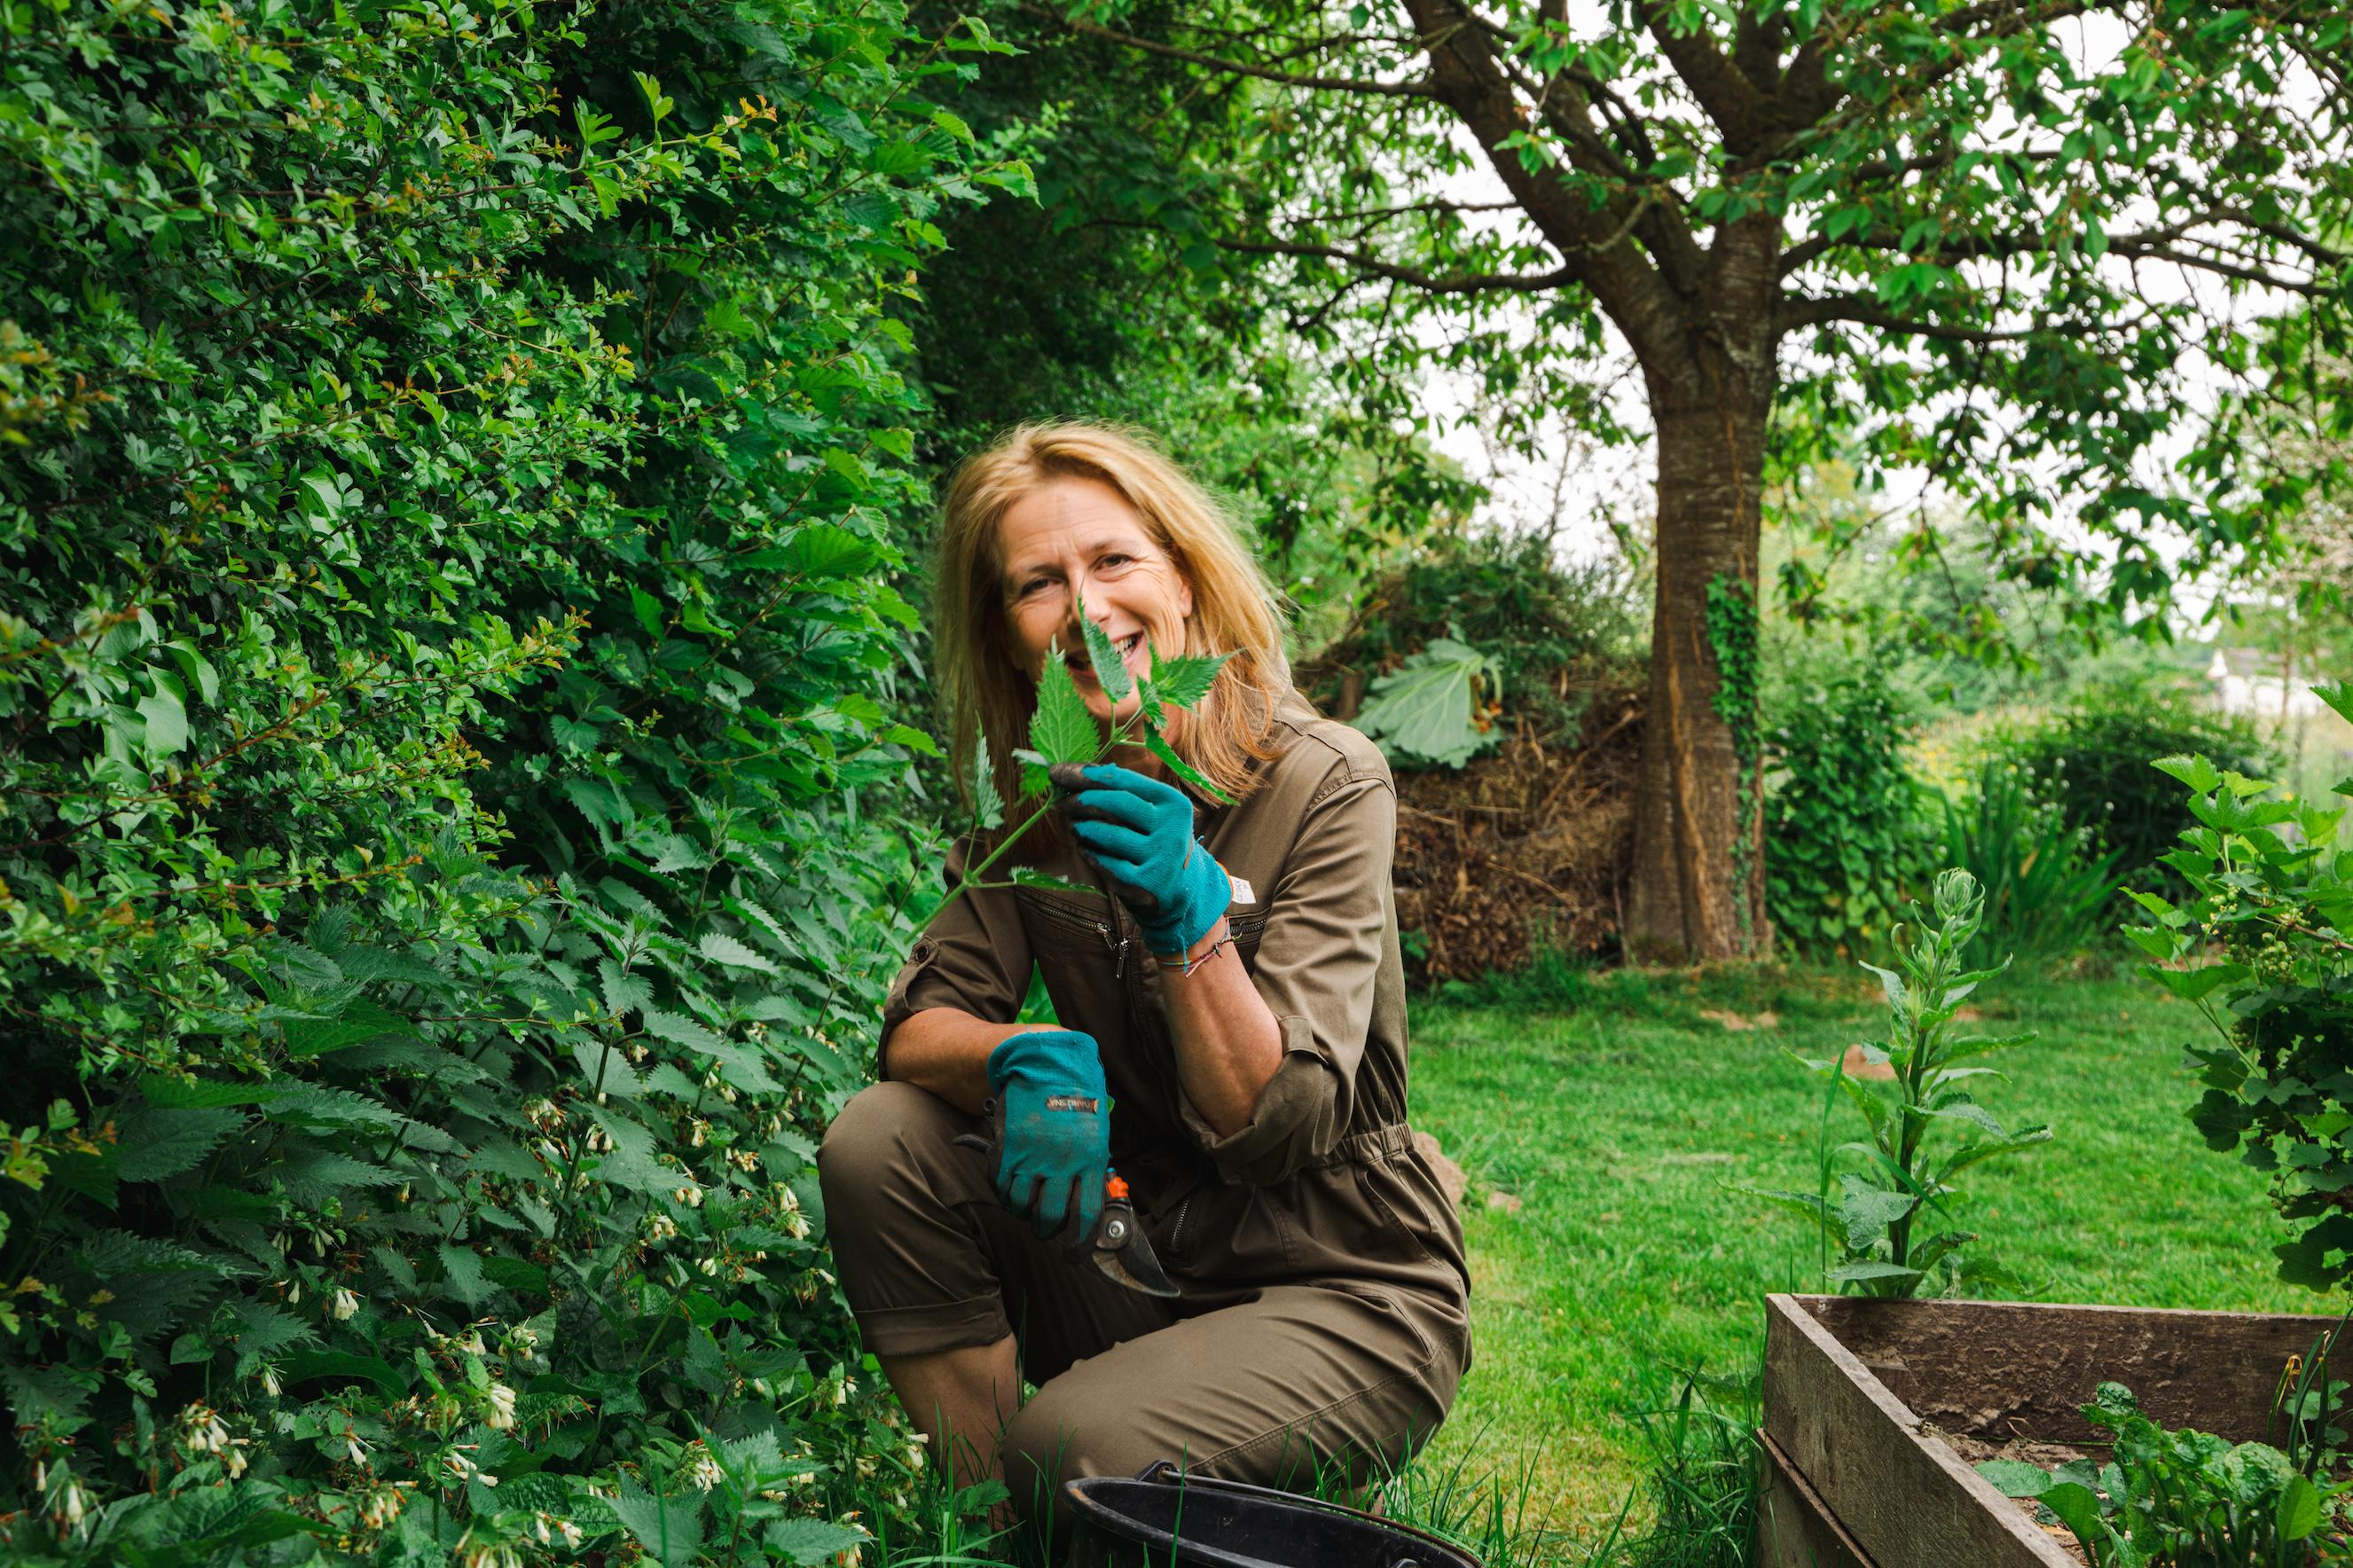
column 1057, row 1152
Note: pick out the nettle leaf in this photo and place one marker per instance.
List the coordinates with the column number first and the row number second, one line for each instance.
column 1111, row 671
column 669, row 1528
column 679, row 1030
column 1183, row 768
column 721, row 948
column 624, row 992
column 1063, row 730
column 165, row 1140
column 1183, row 682
column 810, row 1541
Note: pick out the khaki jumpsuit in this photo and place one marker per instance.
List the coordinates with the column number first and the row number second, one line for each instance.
column 1322, row 1319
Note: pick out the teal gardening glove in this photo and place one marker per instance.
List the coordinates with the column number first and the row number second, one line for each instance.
column 1057, row 1150
column 1139, row 832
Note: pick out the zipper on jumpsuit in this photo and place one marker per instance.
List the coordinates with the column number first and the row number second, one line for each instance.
column 1119, row 962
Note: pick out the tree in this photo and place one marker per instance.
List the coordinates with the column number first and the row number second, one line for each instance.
column 1976, row 240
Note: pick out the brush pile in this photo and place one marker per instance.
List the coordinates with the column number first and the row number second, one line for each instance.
column 1528, row 845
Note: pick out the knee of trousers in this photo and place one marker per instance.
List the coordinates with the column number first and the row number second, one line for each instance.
column 1052, row 1440
column 885, row 1148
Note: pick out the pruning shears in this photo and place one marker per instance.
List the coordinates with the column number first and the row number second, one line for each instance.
column 1116, row 1245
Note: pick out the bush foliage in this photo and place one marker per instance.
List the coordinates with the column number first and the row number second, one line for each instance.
column 2263, row 943
column 1849, row 832
column 2089, row 762
column 446, row 666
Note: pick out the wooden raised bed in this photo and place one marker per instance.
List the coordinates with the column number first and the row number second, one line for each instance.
column 1857, row 1394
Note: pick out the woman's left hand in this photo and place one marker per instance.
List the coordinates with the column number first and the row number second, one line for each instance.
column 1139, row 833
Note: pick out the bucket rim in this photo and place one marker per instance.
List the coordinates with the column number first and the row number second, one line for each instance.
column 1162, row 1472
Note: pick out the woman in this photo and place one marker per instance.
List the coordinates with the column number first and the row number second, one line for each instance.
column 1232, row 1041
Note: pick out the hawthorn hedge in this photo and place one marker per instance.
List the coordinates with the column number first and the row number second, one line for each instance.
column 454, row 453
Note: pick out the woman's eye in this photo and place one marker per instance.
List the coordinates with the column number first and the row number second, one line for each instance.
column 1115, row 558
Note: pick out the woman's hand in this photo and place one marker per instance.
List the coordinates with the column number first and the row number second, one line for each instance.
column 1139, row 833
column 1057, row 1150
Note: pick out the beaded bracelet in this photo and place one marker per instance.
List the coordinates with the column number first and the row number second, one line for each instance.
column 1183, row 968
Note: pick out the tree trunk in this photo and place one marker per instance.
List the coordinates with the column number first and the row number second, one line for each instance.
column 1694, row 820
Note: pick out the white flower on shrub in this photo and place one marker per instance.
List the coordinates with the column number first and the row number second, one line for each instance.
column 460, row 1467
column 202, row 1431
column 705, row 1473
column 344, row 1305
column 503, row 1407
column 550, row 1529
column 379, row 1506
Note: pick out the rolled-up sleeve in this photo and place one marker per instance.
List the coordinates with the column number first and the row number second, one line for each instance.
column 974, row 956
column 1317, row 963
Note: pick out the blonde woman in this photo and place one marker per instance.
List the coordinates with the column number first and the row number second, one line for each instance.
column 1232, row 1039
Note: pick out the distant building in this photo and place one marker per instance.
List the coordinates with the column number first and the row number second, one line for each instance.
column 2247, row 680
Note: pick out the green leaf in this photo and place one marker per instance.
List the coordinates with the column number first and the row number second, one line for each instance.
column 461, row 1271
column 1111, row 672
column 2196, row 772
column 679, row 1030
column 1030, row 877
column 1863, row 1273
column 1182, row 682
column 721, row 948
column 1063, row 730
column 358, row 1021
column 2300, row 1513
column 1423, row 713
column 1183, row 768
column 162, row 1142
column 810, row 1541
column 167, row 721
column 669, row 1528
column 2015, row 1477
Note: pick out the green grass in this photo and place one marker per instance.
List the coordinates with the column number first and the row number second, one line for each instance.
column 1618, row 1125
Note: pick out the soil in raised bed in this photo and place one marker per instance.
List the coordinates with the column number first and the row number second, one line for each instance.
column 1974, row 1451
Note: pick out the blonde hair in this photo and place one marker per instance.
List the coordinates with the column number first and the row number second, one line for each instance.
column 1236, row 610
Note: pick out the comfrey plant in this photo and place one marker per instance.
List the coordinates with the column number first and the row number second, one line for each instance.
column 1883, row 1204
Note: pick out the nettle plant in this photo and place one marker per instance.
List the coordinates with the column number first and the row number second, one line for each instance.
column 1882, row 1207
column 2263, row 946
column 1062, row 731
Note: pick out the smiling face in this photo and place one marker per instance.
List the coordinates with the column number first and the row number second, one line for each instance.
column 1075, row 538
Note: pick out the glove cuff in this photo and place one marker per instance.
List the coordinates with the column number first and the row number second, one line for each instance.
column 1209, row 891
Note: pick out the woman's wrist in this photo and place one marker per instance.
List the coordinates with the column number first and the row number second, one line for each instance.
column 1219, row 934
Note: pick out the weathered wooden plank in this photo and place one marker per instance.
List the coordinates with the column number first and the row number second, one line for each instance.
column 2007, row 1370
column 1795, row 1528
column 1908, row 1503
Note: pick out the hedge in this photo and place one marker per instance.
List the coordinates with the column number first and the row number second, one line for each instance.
column 456, row 457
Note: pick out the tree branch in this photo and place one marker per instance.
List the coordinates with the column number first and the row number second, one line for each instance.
column 1728, row 97
column 1459, row 283
column 1863, row 311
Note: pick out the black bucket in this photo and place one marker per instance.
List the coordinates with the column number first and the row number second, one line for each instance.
column 1165, row 1516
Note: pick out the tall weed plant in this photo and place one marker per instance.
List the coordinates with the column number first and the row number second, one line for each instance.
column 448, row 662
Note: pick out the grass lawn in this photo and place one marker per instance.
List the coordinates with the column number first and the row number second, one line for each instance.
column 1619, row 1124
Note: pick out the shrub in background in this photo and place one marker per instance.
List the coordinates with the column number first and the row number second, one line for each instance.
column 1849, row 832
column 446, row 636
column 2090, row 761
column 2263, row 944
